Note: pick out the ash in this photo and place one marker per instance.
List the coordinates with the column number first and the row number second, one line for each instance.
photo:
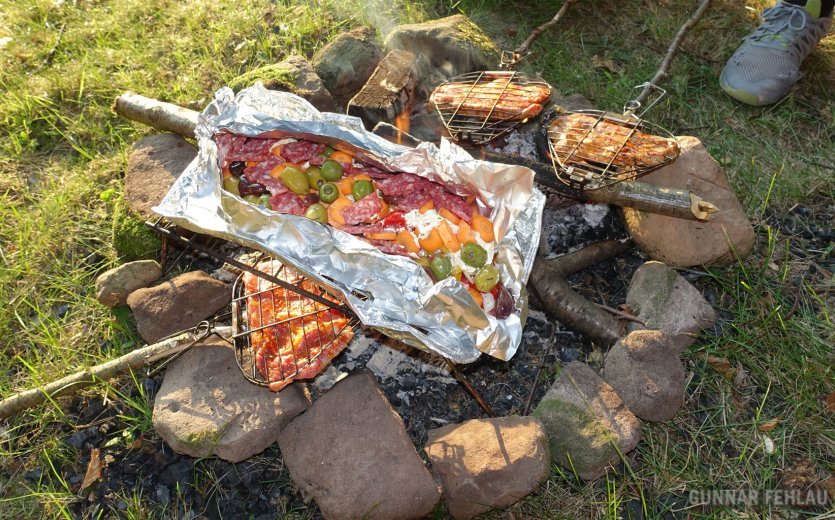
column 516, row 143
column 568, row 228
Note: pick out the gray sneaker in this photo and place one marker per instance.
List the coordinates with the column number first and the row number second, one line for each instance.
column 767, row 64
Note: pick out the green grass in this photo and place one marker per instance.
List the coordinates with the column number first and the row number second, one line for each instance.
column 62, row 154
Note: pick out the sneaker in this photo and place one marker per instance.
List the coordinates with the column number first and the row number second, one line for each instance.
column 767, row 64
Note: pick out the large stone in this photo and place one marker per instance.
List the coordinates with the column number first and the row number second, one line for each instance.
column 488, row 463
column 178, row 304
column 114, row 286
column 668, row 302
column 346, row 63
column 293, row 74
column 684, row 243
column 645, row 370
column 352, row 454
column 453, row 45
column 206, row 407
column 388, row 91
column 587, row 422
column 154, row 164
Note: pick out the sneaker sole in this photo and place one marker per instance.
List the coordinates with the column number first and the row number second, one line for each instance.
column 742, row 96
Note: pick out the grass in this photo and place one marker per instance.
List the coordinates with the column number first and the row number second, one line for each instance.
column 62, row 154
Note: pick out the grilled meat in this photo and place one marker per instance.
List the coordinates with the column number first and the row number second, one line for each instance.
column 299, row 337
column 601, row 140
column 499, row 99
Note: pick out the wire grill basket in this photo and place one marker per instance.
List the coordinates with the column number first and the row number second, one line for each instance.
column 591, row 149
column 480, row 106
column 279, row 332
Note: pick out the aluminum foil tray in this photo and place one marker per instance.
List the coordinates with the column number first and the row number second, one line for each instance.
column 390, row 293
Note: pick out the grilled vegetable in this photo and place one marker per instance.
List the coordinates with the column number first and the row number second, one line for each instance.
column 317, row 212
column 230, row 184
column 236, row 168
column 486, row 278
column 295, row 180
column 441, row 266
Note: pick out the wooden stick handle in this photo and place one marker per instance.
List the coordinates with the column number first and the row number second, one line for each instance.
column 83, row 378
column 664, row 70
column 156, row 114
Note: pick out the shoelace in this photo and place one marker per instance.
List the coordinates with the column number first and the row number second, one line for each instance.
column 784, row 28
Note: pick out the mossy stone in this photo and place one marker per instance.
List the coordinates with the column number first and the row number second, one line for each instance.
column 274, row 77
column 132, row 239
column 578, row 438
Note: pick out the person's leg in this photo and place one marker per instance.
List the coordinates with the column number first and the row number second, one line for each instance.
column 767, row 64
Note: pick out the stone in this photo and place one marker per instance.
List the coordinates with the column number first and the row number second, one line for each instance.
column 351, row 453
column 488, row 463
column 206, row 407
column 346, row 63
column 293, row 74
column 585, row 419
column 388, row 91
column 645, row 370
column 178, row 304
column 114, row 286
column 154, row 163
column 453, row 45
column 684, row 243
column 668, row 302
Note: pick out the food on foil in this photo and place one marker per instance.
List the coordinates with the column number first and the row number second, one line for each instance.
column 292, row 337
column 499, row 99
column 398, row 213
column 581, row 137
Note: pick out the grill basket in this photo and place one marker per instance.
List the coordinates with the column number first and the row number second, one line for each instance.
column 280, row 333
column 482, row 109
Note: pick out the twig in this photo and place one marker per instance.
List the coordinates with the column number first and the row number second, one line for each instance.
column 72, row 383
column 539, row 371
column 625, row 315
column 466, row 383
column 663, row 71
column 51, row 54
column 523, row 49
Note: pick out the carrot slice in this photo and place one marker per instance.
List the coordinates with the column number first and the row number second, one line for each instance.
column 483, row 227
column 276, row 150
column 447, row 214
column 448, row 237
column 465, row 233
column 342, row 157
column 345, row 185
column 476, row 295
column 408, row 241
column 384, row 235
column 361, row 177
column 335, row 217
column 384, row 209
column 433, row 242
column 426, row 206
column 226, row 173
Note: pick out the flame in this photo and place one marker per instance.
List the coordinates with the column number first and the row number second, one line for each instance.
column 401, row 122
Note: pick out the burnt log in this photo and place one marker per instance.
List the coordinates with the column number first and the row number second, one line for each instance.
column 389, row 90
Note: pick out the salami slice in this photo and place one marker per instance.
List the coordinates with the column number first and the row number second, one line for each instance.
column 389, row 247
column 249, row 149
column 317, row 160
column 287, row 203
column 363, row 209
column 260, row 173
column 301, row 151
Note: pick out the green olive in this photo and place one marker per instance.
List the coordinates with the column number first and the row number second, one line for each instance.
column 264, row 200
column 230, row 184
column 486, row 278
column 328, row 192
column 332, row 170
column 441, row 267
column 314, row 177
column 255, row 200
column 317, row 212
column 361, row 189
column 327, row 153
column 295, row 180
column 423, row 261
column 473, row 255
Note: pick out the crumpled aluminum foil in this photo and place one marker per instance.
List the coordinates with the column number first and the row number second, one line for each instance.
column 390, row 293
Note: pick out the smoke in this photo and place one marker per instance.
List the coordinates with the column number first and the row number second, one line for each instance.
column 382, row 15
